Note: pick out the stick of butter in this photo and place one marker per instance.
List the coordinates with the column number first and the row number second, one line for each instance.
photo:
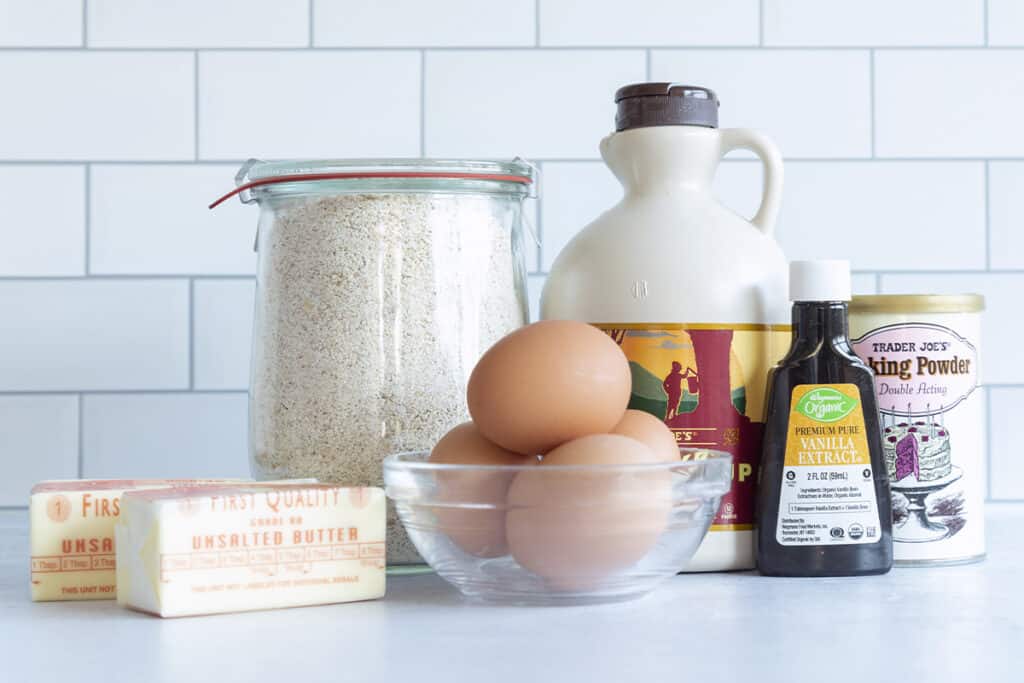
column 246, row 547
column 72, row 534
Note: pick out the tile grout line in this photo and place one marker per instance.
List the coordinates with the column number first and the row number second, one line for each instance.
column 191, row 334
column 423, row 103
column 988, row 219
column 88, row 218
column 536, row 23
column 871, row 96
column 523, row 48
column 85, row 23
column 311, row 2
column 984, row 18
column 195, row 105
column 81, row 436
column 878, row 283
column 647, row 64
column 760, row 23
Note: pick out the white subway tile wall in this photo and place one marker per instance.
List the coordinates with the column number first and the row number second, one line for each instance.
column 814, row 103
column 438, row 23
column 40, row 441
column 41, row 23
column 949, row 103
column 73, row 105
column 308, row 104
column 164, row 436
column 223, row 312
column 94, row 334
column 874, row 22
column 648, row 22
column 197, row 23
column 127, row 305
column 1005, row 22
column 42, row 231
column 532, row 103
column 1005, row 192
column 154, row 220
column 1006, row 467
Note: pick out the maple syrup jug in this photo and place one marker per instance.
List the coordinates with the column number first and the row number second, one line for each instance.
column 695, row 295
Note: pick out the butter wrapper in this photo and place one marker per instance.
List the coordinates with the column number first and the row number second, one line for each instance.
column 72, row 534
column 247, row 547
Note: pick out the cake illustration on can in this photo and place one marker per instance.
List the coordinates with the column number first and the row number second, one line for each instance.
column 920, row 450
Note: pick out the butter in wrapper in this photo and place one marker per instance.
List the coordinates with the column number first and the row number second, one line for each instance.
column 247, row 547
column 71, row 539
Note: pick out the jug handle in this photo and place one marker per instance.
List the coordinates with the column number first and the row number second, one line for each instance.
column 744, row 138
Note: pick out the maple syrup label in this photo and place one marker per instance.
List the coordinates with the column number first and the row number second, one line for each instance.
column 707, row 383
column 827, row 495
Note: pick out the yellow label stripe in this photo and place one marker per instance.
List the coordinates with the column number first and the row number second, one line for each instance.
column 732, row 527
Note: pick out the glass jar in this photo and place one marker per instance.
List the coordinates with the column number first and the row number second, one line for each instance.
column 379, row 285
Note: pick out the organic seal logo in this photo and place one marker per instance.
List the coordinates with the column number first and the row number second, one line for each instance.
column 826, row 404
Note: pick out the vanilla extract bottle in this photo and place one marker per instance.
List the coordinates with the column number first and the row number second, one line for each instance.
column 823, row 502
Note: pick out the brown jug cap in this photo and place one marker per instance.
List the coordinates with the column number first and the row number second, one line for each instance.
column 665, row 104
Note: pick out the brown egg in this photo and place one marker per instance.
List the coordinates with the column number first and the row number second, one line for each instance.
column 478, row 531
column 548, row 383
column 650, row 431
column 575, row 528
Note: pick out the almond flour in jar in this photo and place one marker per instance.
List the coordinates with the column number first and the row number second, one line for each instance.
column 376, row 295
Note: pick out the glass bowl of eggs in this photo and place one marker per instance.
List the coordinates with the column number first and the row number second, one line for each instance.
column 556, row 491
column 576, row 526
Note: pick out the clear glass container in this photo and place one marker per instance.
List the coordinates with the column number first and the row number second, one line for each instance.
column 379, row 285
column 584, row 533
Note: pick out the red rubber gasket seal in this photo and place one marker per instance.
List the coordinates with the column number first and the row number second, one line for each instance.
column 299, row 177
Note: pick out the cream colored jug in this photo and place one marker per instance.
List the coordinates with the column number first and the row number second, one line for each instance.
column 695, row 295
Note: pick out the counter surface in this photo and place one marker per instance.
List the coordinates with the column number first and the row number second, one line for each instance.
column 961, row 623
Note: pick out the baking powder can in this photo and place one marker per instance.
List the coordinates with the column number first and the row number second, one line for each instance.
column 925, row 353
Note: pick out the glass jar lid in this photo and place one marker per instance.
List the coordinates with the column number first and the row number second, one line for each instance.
column 257, row 179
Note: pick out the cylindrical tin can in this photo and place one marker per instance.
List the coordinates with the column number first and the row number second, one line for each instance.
column 925, row 352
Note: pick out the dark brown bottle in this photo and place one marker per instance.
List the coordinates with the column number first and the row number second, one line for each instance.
column 823, row 501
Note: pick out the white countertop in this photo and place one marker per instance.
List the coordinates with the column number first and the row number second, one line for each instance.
column 939, row 624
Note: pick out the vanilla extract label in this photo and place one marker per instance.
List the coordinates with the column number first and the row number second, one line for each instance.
column 828, row 485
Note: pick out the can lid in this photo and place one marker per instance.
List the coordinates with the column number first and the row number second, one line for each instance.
column 641, row 105
column 918, row 303
column 820, row 280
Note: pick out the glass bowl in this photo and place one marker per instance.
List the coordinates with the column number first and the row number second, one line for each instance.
column 557, row 534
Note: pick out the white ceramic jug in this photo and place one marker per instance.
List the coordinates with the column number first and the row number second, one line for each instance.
column 695, row 294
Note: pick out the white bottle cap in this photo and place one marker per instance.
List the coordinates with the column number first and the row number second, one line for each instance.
column 821, row 280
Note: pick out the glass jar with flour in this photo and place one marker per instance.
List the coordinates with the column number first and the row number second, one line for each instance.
column 379, row 285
